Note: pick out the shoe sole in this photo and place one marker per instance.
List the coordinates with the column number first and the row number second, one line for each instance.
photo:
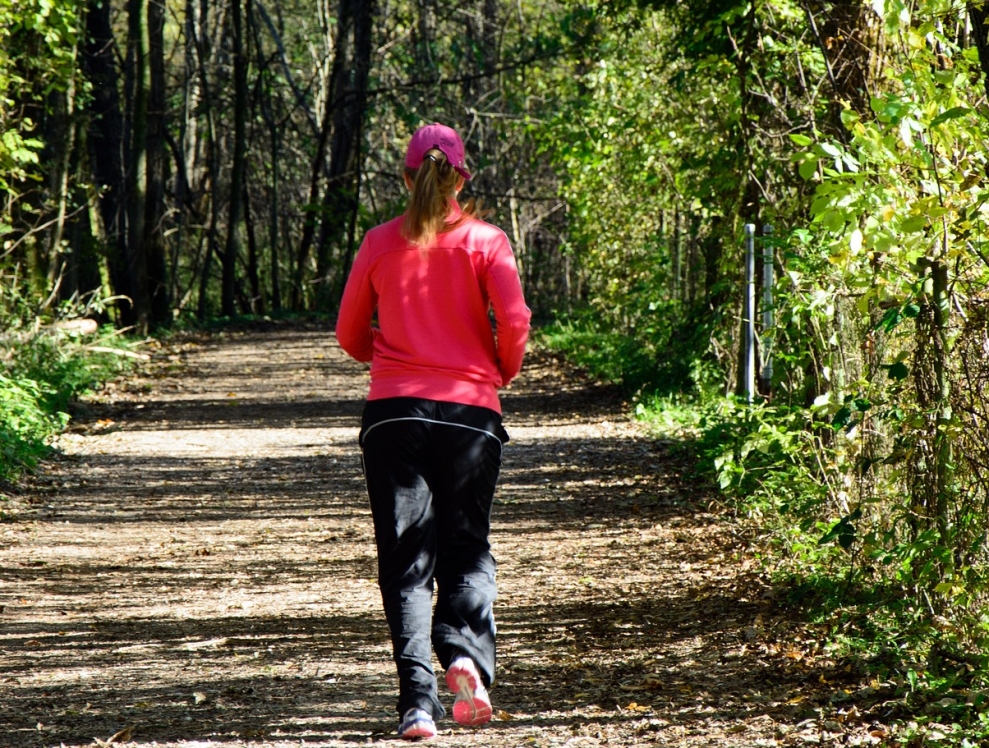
column 468, row 709
column 418, row 733
column 418, row 729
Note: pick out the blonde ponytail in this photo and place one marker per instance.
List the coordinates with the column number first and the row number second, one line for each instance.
column 434, row 185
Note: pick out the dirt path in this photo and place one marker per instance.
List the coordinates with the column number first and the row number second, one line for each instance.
column 200, row 568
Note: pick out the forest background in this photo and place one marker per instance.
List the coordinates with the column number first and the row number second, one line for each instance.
column 163, row 162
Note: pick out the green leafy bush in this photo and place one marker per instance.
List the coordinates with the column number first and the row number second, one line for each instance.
column 41, row 371
column 44, row 365
column 26, row 426
column 645, row 356
column 64, row 365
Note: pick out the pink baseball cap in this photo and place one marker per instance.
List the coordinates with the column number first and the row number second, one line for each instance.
column 443, row 139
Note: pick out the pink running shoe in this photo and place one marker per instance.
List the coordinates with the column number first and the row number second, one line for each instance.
column 417, row 724
column 472, row 706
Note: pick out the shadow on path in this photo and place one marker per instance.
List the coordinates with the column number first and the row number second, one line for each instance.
column 204, row 570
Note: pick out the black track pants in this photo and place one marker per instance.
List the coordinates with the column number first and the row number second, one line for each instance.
column 431, row 469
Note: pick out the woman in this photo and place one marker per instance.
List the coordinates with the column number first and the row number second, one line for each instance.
column 431, row 433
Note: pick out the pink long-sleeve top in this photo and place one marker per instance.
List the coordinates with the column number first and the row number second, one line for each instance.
column 433, row 337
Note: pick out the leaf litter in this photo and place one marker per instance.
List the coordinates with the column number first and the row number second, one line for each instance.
column 202, row 573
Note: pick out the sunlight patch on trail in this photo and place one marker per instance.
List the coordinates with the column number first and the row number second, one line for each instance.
column 216, row 442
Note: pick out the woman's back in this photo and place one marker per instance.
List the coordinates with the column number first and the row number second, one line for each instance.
column 434, row 336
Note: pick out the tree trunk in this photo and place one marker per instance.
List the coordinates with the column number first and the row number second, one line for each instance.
column 154, row 229
column 851, row 39
column 978, row 15
column 185, row 150
column 423, row 35
column 61, row 136
column 265, row 99
column 489, row 37
column 238, row 168
column 336, row 90
column 273, row 232
column 341, row 203
column 256, row 305
column 213, row 156
column 136, row 87
column 933, row 470
column 749, row 196
column 106, row 137
column 85, row 252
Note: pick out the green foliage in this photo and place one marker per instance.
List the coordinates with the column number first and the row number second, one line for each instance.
column 37, row 42
column 607, row 356
column 778, row 469
column 895, row 205
column 44, row 365
column 656, row 145
column 26, row 426
column 41, row 371
column 63, row 365
column 647, row 357
column 863, row 477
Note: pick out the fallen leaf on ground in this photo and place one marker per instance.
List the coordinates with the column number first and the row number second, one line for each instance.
column 123, row 736
column 634, row 707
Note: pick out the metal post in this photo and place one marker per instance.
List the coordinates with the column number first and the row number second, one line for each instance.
column 748, row 317
column 767, row 309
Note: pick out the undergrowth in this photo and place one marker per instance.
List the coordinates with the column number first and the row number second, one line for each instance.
column 642, row 358
column 44, row 365
column 836, row 563
column 860, row 578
